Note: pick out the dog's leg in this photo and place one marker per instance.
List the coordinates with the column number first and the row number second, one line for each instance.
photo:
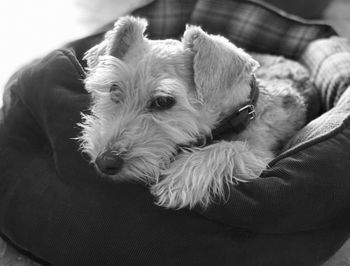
column 201, row 175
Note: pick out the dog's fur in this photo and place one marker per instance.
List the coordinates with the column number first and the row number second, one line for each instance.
column 206, row 77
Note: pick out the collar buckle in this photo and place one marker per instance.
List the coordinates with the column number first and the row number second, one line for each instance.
column 251, row 111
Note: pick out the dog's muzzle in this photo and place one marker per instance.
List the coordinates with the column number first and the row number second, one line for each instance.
column 109, row 163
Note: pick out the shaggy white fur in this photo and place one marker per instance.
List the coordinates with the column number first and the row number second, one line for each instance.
column 150, row 97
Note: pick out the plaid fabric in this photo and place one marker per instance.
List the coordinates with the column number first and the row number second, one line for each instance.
column 329, row 63
column 260, row 28
column 250, row 24
column 257, row 27
column 167, row 18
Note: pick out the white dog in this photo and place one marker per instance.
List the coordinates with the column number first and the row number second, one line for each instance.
column 186, row 117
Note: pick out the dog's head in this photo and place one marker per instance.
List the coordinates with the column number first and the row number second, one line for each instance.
column 149, row 96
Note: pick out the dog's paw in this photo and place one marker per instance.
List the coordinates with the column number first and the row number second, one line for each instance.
column 175, row 195
column 187, row 182
column 203, row 175
column 168, row 196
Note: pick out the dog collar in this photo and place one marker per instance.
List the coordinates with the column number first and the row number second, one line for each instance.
column 234, row 123
column 239, row 119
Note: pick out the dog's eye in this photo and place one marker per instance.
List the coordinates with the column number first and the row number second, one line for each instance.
column 162, row 103
column 116, row 93
column 114, row 87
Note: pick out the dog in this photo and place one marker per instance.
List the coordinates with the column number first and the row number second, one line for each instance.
column 186, row 117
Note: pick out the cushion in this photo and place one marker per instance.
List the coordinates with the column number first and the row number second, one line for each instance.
column 55, row 206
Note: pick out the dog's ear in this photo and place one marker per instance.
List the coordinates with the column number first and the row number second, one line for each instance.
column 219, row 66
column 127, row 31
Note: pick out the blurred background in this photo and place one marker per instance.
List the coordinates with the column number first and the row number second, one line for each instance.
column 30, row 29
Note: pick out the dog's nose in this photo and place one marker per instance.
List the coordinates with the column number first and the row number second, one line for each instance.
column 109, row 163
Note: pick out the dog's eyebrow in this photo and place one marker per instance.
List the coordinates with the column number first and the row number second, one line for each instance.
column 110, row 70
column 169, row 86
column 161, row 92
